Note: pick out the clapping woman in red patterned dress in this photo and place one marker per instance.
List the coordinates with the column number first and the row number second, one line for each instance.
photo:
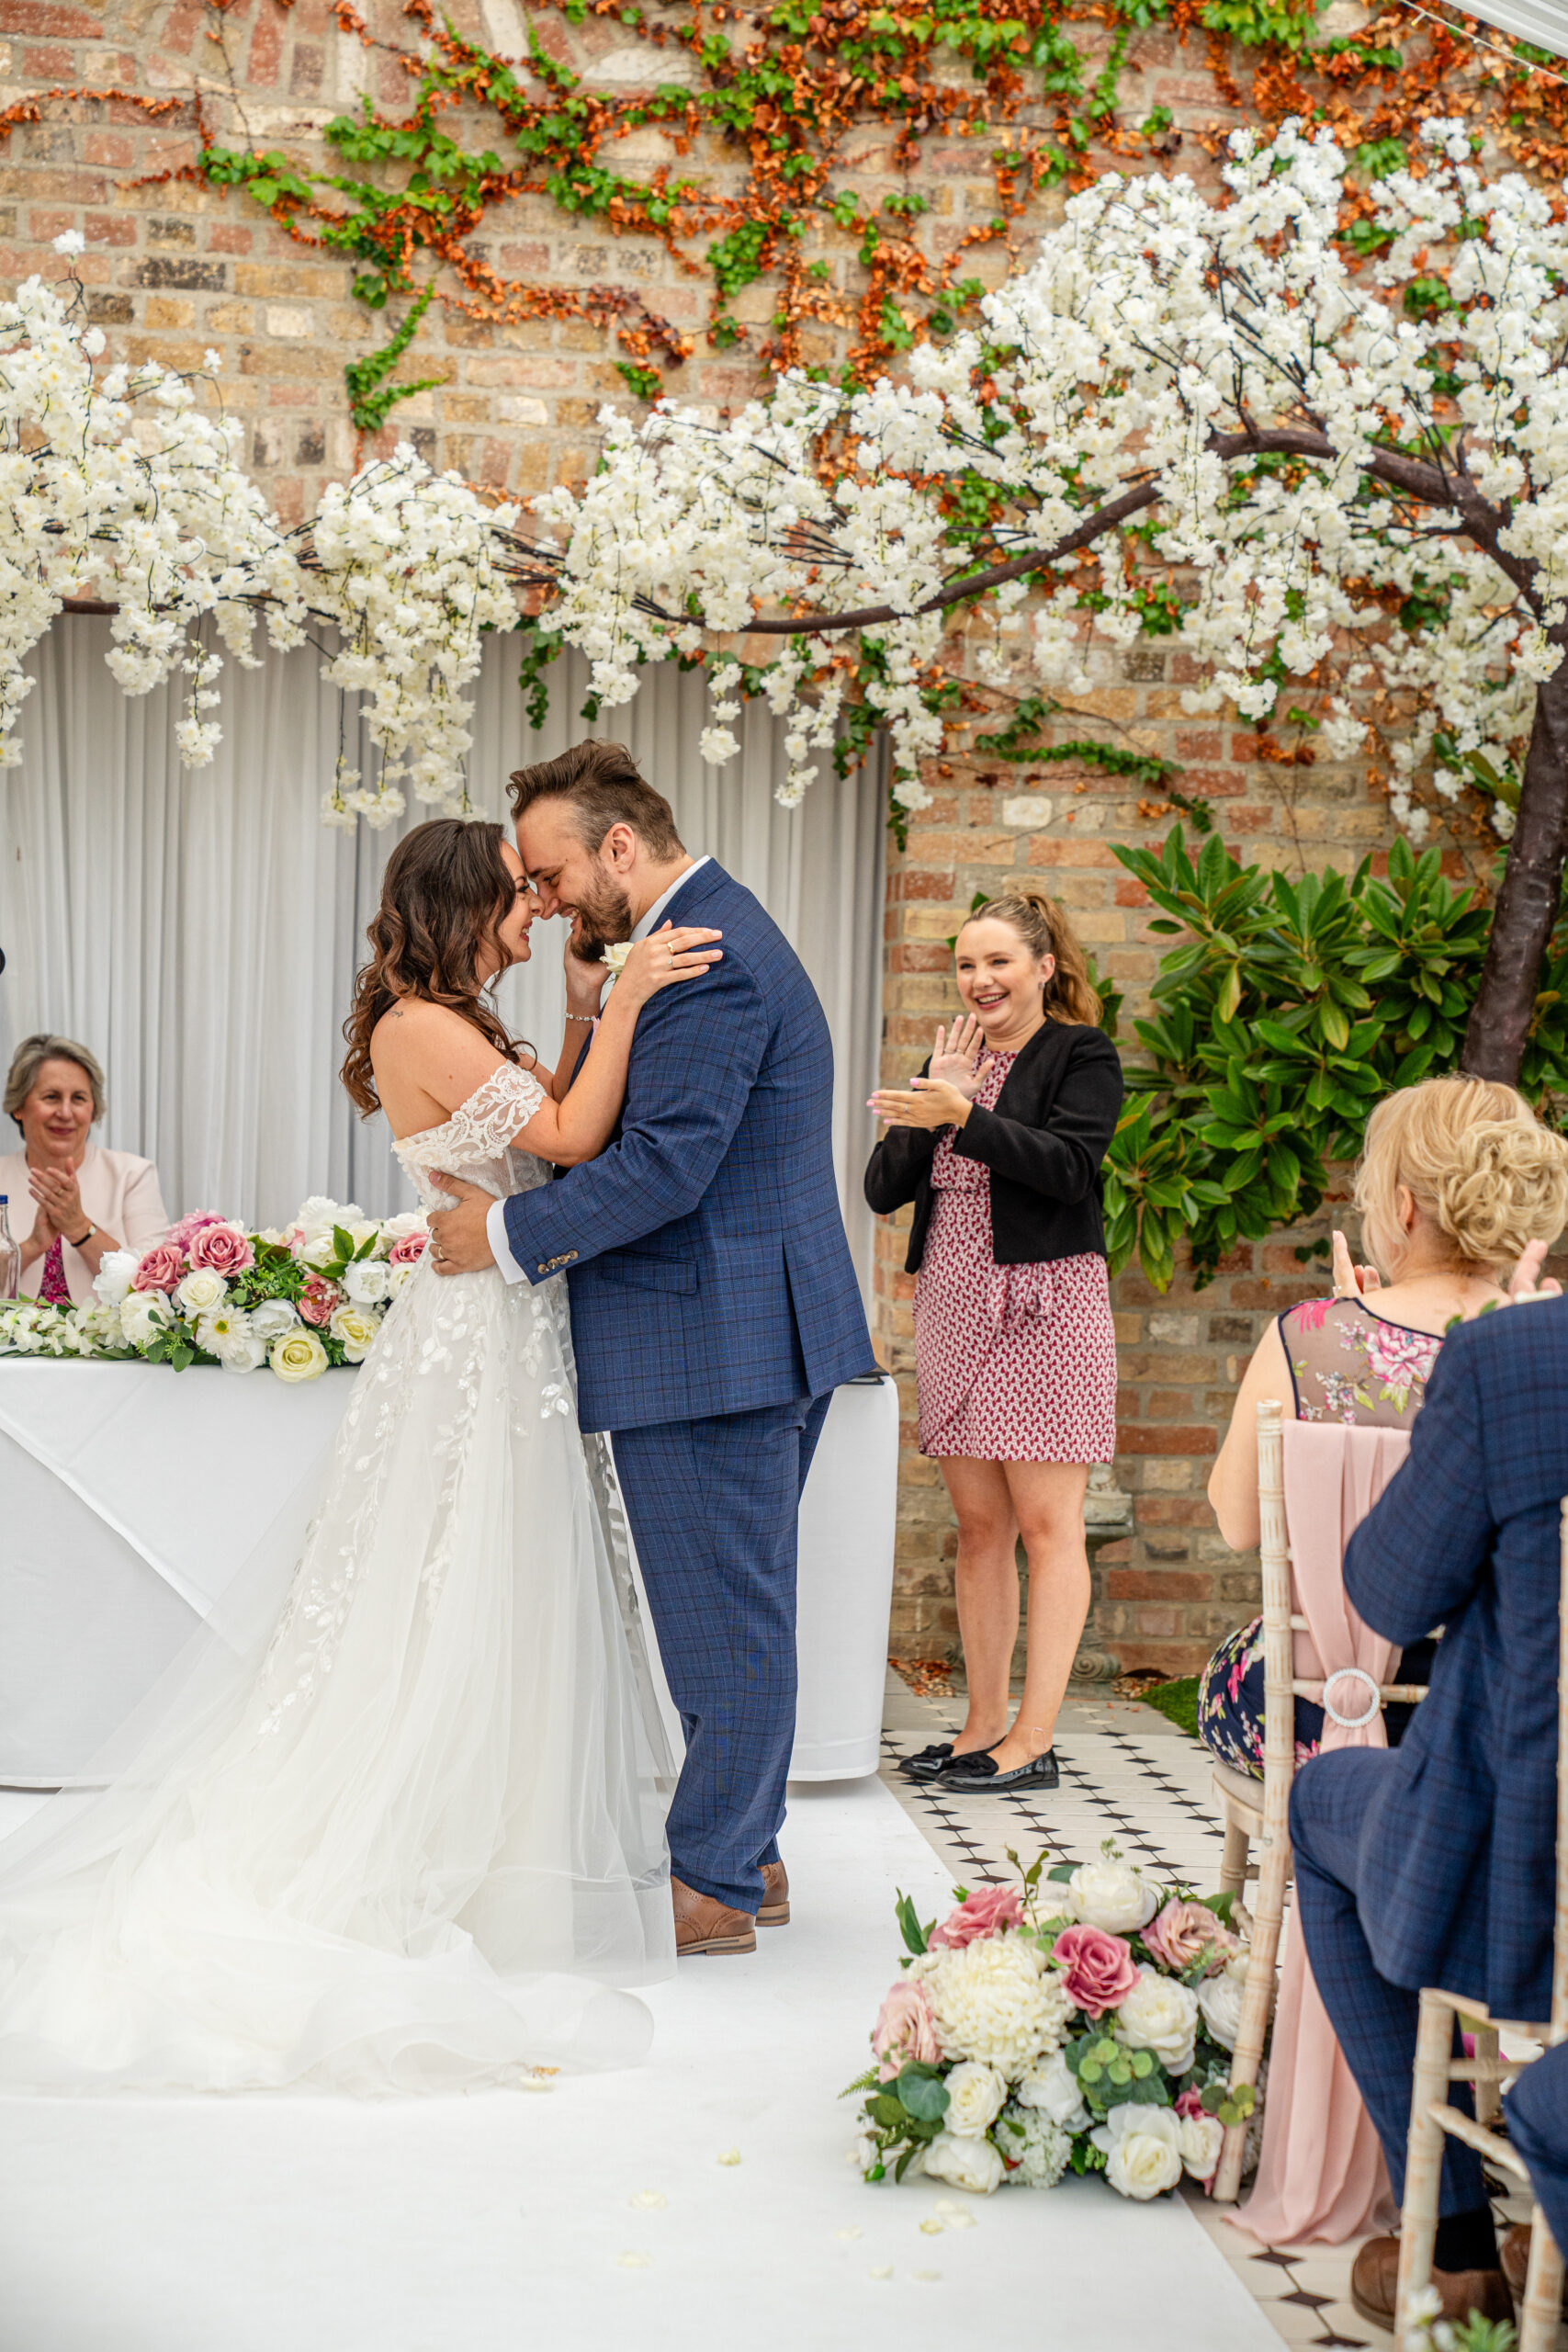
column 999, row 1144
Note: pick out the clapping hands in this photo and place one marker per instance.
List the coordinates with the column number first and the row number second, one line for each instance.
column 942, row 1097
column 955, row 1058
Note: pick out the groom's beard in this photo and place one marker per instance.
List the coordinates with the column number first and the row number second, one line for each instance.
column 601, row 918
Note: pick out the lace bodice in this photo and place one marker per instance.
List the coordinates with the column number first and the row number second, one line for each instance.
column 474, row 1142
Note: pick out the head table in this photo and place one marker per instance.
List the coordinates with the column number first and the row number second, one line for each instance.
column 132, row 1497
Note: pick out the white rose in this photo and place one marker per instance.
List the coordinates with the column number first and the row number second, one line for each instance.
column 615, row 956
column 1203, row 2137
column 974, row 2096
column 366, row 1282
column 399, row 1277
column 359, row 1229
column 112, row 1281
column 1113, row 1895
column 273, row 1317
column 356, row 1328
column 201, row 1291
column 966, row 2163
column 141, row 1316
column 1161, row 2015
column 316, row 1249
column 298, row 1356
column 1142, row 2148
column 1219, row 2002
column 398, row 1228
column 1052, row 2089
column 318, row 1215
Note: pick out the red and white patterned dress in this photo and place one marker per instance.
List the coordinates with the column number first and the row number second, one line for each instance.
column 1013, row 1363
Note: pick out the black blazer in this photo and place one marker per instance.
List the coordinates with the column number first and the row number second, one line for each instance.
column 1043, row 1145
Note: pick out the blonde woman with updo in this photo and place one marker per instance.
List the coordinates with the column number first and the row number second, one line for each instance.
column 999, row 1144
column 1458, row 1181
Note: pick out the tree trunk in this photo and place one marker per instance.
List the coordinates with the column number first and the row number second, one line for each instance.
column 1526, row 912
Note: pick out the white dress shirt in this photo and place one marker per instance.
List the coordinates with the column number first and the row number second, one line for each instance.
column 495, row 1219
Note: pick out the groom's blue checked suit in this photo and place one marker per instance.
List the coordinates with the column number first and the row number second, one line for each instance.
column 1433, row 1863
column 714, row 1309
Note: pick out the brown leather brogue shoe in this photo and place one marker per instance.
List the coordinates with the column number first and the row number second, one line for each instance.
column 1514, row 2254
column 1374, row 2278
column 703, row 1924
column 774, row 1912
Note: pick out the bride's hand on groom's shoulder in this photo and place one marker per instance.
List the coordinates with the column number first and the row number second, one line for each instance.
column 665, row 956
column 459, row 1237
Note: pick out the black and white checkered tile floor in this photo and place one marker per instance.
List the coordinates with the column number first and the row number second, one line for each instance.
column 1126, row 1774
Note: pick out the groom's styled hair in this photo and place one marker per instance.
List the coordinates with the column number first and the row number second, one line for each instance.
column 602, row 783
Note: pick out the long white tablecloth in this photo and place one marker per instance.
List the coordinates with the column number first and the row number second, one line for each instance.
column 130, row 1496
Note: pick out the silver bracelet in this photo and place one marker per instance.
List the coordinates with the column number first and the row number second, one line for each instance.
column 588, row 1017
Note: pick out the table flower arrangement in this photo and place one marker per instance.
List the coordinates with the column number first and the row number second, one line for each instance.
column 1087, row 2029
column 301, row 1298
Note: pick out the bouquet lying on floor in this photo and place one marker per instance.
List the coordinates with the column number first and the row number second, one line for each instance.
column 300, row 1299
column 1081, row 2021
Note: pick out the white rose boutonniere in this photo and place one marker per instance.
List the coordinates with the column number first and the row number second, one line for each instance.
column 615, row 956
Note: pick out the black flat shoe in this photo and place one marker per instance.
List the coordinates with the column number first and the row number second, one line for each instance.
column 928, row 1763
column 976, row 1774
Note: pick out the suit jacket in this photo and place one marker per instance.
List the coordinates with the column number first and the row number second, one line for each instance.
column 1043, row 1145
column 704, row 1247
column 119, row 1192
column 1458, row 1846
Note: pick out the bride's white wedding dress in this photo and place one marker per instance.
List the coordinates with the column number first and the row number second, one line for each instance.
column 400, row 1825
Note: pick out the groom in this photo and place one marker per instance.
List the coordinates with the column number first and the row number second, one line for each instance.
column 714, row 1304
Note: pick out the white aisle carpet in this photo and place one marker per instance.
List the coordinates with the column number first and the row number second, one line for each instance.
column 599, row 2212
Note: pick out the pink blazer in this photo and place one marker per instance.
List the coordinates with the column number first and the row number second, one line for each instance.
column 120, row 1193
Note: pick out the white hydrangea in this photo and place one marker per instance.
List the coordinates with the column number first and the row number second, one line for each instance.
column 993, row 2002
column 1038, row 2147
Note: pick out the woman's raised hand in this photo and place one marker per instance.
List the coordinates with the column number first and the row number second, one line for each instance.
column 666, row 956
column 1526, row 1283
column 955, row 1058
column 1351, row 1281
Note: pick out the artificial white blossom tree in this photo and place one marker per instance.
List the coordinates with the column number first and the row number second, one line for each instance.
column 1345, row 474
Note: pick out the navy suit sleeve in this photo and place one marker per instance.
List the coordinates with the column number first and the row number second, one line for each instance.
column 1420, row 1553
column 696, row 1056
column 1061, row 1159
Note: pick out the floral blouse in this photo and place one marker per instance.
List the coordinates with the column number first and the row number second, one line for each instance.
column 1349, row 1366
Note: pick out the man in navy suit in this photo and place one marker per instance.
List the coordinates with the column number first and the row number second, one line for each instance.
column 1434, row 1863
column 714, row 1301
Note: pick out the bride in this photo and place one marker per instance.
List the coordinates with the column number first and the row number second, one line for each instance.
column 397, row 1823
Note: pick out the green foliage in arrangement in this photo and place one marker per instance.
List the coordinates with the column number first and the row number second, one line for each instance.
column 1286, row 1012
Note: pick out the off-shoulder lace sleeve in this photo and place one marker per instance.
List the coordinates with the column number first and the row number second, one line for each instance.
column 481, row 1127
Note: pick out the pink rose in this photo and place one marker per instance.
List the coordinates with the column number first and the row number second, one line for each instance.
column 223, row 1247
column 404, row 1253
column 1190, row 2105
column 318, row 1300
column 161, row 1268
column 985, row 1913
column 179, row 1237
column 1186, row 1932
column 1098, row 1969
column 905, row 2030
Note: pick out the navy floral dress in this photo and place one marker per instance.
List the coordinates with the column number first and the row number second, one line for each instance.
column 1346, row 1364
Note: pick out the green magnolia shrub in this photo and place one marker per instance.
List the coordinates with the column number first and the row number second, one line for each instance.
column 1289, row 1009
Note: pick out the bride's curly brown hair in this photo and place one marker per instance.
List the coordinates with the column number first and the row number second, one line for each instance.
column 445, row 894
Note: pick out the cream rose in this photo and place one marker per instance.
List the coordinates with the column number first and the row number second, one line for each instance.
column 1052, row 2087
column 1142, row 2146
column 200, row 1291
column 356, row 1328
column 974, row 2096
column 615, row 956
column 367, row 1280
column 399, row 1277
column 966, row 2163
column 1161, row 2015
column 1203, row 2137
column 141, row 1316
column 1112, row 1895
column 1219, row 2003
column 316, row 1249
column 299, row 1356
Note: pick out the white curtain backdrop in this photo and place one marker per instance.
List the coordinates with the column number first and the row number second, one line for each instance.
column 200, row 932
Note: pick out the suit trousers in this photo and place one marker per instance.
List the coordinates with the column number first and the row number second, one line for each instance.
column 1536, row 2110
column 1375, row 2021
column 714, row 1506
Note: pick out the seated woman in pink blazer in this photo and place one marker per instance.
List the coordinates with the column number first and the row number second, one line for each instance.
column 70, row 1201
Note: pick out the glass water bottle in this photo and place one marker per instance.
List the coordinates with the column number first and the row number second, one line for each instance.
column 11, row 1253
